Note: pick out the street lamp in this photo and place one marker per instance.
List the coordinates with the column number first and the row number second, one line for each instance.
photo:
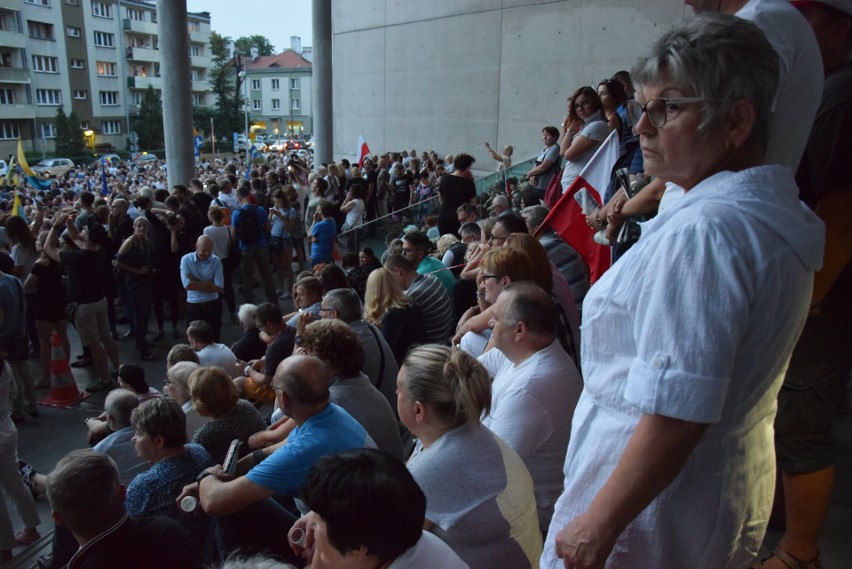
column 245, row 102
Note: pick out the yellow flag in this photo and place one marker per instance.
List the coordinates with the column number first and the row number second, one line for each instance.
column 22, row 160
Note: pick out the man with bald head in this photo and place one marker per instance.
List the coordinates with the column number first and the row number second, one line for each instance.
column 248, row 517
column 202, row 277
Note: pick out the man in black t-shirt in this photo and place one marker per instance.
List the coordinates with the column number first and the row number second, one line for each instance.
column 86, row 496
column 83, row 260
column 402, row 188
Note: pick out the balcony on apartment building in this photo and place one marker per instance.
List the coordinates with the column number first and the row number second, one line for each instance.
column 143, row 54
column 10, row 74
column 141, row 82
column 201, row 61
column 129, row 25
column 17, row 111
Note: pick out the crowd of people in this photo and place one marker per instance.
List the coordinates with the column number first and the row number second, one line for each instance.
column 439, row 405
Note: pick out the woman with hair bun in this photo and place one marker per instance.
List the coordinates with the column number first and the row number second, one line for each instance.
column 479, row 493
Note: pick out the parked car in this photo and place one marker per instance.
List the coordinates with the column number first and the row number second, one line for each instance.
column 146, row 157
column 4, row 168
column 110, row 159
column 278, row 146
column 53, row 167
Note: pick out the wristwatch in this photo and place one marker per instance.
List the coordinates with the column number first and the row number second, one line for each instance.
column 247, row 370
column 203, row 475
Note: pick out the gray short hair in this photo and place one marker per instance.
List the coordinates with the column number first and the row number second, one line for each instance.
column 179, row 374
column 119, row 404
column 84, row 490
column 345, row 302
column 246, row 314
column 534, row 215
column 720, row 57
column 529, row 303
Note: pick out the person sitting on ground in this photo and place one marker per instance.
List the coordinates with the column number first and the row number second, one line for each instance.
column 399, row 319
column 160, row 440
column 180, row 353
column 442, row 395
column 249, row 346
column 416, row 247
column 307, row 298
column 200, row 336
column 246, row 515
column 535, row 388
column 255, row 382
column 86, row 496
column 214, row 395
column 366, row 507
column 132, row 377
column 177, row 387
column 428, row 294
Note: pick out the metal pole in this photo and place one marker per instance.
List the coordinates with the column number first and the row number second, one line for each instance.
column 177, row 91
column 322, row 80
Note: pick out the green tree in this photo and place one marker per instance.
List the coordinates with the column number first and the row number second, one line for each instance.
column 69, row 138
column 148, row 123
column 225, row 82
column 263, row 45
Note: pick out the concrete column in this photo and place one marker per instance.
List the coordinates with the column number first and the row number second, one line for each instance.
column 322, row 80
column 177, row 90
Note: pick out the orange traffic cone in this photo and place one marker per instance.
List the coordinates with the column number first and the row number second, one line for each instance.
column 63, row 389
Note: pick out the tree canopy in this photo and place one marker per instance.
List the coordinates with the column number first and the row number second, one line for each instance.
column 69, row 137
column 263, row 45
column 148, row 123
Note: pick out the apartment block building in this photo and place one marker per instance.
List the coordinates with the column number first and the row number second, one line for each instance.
column 93, row 57
column 279, row 89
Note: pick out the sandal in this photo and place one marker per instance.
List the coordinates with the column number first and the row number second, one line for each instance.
column 82, row 362
column 789, row 561
column 148, row 357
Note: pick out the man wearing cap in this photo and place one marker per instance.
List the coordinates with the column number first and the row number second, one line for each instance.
column 499, row 206
column 415, row 248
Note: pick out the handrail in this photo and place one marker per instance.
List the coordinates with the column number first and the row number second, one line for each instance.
column 517, row 170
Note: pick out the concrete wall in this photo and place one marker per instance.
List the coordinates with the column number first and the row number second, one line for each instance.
column 451, row 74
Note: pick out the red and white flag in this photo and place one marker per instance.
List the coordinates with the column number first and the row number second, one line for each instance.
column 363, row 150
column 567, row 219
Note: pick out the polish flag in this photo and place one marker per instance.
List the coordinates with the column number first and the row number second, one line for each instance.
column 567, row 219
column 363, row 150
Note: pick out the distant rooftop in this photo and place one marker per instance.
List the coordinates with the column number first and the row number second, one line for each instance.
column 287, row 59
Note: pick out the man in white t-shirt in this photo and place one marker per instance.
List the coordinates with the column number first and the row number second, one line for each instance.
column 199, row 334
column 535, row 389
column 367, row 511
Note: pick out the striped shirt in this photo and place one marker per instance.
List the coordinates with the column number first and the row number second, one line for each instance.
column 431, row 297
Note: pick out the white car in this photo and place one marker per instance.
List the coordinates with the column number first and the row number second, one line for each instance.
column 53, row 166
column 4, row 168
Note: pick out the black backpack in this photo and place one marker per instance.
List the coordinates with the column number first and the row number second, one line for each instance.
column 248, row 228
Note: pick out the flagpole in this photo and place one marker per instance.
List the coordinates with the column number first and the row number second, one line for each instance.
column 212, row 140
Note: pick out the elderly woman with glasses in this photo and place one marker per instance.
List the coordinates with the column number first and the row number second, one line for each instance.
column 686, row 338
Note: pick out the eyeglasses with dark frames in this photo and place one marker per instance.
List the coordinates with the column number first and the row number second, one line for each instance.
column 660, row 111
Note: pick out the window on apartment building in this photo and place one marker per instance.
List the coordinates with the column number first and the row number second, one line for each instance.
column 195, row 50
column 276, row 84
column 107, row 69
column 193, row 26
column 195, row 74
column 255, row 104
column 101, row 9
column 71, row 2
column 103, row 39
column 111, row 127
column 38, row 2
column 9, row 131
column 48, row 130
column 51, row 97
column 276, row 104
column 78, row 64
column 294, row 83
column 81, row 94
column 72, row 31
column 44, row 64
column 255, row 84
column 40, row 30
column 197, row 99
column 7, row 96
column 108, row 98
column 295, row 105
column 134, row 14
column 84, row 125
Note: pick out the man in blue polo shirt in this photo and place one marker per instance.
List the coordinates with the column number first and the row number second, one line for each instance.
column 247, row 518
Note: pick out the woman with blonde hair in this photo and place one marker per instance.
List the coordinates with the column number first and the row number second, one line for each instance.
column 479, row 494
column 399, row 319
